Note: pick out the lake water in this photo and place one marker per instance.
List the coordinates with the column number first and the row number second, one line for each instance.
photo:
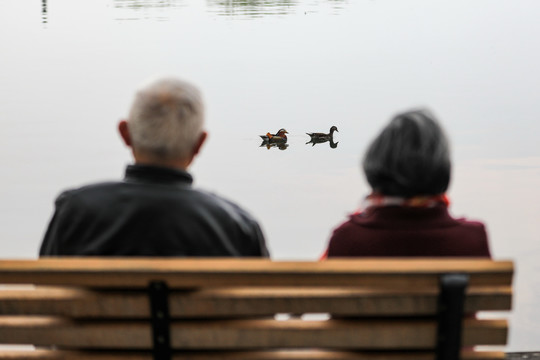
column 68, row 69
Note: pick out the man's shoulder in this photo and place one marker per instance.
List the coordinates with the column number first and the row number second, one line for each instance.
column 109, row 191
column 88, row 191
column 212, row 199
column 247, row 234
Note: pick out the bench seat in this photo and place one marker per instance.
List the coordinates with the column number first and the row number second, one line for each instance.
column 144, row 308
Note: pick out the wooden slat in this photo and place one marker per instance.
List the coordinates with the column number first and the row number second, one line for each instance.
column 246, row 334
column 246, row 355
column 251, row 301
column 185, row 273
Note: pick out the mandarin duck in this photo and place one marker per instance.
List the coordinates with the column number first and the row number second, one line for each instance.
column 277, row 137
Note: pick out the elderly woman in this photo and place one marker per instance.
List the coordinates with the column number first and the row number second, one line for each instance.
column 408, row 169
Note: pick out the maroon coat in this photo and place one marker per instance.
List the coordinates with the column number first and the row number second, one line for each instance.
column 408, row 231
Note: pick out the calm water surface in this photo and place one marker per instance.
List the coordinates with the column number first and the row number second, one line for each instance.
column 68, row 69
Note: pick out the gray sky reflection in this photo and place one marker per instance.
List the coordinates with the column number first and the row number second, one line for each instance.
column 352, row 64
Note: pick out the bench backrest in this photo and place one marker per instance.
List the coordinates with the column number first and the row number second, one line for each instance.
column 97, row 308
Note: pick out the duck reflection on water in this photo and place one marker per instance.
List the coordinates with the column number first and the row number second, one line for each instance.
column 319, row 138
column 279, row 139
column 279, row 145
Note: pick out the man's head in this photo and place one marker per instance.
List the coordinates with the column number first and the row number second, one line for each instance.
column 165, row 123
column 410, row 157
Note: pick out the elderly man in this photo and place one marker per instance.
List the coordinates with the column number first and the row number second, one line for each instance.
column 154, row 211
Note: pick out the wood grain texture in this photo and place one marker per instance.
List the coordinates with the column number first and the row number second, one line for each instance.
column 245, row 334
column 244, row 355
column 252, row 301
column 223, row 308
column 186, row 273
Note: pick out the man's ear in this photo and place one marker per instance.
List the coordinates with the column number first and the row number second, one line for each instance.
column 199, row 143
column 124, row 132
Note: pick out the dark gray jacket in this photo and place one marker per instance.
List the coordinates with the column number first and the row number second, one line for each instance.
column 153, row 212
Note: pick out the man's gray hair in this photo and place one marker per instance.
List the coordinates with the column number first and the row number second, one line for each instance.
column 166, row 119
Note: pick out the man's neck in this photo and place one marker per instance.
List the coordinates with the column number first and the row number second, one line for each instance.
column 178, row 164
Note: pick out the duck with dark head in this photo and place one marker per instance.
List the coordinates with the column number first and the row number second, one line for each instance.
column 318, row 138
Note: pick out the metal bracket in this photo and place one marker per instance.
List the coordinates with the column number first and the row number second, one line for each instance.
column 158, row 292
column 450, row 315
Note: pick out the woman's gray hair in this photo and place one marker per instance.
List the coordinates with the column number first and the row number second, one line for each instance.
column 410, row 157
column 166, row 119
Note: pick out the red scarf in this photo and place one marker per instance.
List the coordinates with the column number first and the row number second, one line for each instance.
column 374, row 200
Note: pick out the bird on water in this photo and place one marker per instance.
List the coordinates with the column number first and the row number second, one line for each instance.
column 321, row 137
column 280, row 136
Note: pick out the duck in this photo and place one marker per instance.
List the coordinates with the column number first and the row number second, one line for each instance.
column 277, row 137
column 322, row 137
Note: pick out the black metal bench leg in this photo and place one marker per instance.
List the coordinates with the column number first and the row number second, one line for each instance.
column 159, row 307
column 450, row 315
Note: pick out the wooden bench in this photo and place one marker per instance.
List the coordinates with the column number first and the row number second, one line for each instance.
column 202, row 309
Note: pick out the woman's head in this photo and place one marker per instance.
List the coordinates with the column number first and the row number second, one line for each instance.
column 410, row 157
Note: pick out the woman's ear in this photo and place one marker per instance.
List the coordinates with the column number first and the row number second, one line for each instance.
column 124, row 132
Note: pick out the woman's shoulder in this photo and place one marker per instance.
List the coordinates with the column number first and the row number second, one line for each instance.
column 429, row 232
column 470, row 224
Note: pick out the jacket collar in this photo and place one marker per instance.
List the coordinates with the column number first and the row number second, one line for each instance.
column 157, row 175
column 393, row 217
